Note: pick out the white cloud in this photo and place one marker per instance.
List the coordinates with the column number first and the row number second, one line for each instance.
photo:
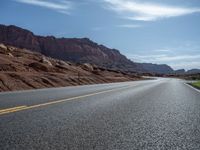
column 61, row 6
column 167, row 58
column 164, row 58
column 129, row 26
column 176, row 61
column 116, row 26
column 136, row 10
column 187, row 66
column 163, row 50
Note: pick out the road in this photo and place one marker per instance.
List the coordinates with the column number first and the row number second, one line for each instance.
column 153, row 114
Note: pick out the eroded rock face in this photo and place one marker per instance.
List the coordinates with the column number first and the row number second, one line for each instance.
column 18, row 37
column 74, row 49
column 22, row 69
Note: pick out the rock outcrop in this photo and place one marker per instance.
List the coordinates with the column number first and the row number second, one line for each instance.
column 68, row 49
column 22, row 69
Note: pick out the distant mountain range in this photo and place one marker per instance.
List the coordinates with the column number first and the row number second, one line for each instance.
column 182, row 71
column 78, row 50
column 154, row 68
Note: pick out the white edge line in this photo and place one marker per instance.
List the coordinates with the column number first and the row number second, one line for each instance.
column 192, row 87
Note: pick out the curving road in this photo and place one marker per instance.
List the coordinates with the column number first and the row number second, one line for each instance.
column 153, row 114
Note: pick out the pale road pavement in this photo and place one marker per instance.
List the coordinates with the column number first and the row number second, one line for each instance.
column 148, row 115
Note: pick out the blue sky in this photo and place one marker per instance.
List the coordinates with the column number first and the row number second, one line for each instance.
column 156, row 31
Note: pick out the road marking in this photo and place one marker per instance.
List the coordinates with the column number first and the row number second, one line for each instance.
column 192, row 87
column 20, row 108
column 13, row 109
column 8, row 109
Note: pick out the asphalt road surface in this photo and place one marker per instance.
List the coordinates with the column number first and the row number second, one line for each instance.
column 153, row 114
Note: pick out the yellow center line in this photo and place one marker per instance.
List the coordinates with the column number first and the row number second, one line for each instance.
column 9, row 109
column 20, row 108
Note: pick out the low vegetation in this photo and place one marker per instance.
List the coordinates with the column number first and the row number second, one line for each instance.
column 188, row 76
column 196, row 84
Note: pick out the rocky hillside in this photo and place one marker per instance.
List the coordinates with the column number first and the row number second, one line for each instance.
column 22, row 69
column 74, row 50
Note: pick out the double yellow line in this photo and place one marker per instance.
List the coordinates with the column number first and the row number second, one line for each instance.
column 10, row 110
column 24, row 107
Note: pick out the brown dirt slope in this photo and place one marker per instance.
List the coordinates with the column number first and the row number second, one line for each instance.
column 21, row 69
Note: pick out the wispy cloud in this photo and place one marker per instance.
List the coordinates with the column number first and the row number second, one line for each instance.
column 163, row 50
column 135, row 10
column 164, row 57
column 61, row 6
column 187, row 66
column 129, row 26
column 185, row 61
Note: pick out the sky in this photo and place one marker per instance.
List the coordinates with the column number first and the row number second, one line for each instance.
column 152, row 31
